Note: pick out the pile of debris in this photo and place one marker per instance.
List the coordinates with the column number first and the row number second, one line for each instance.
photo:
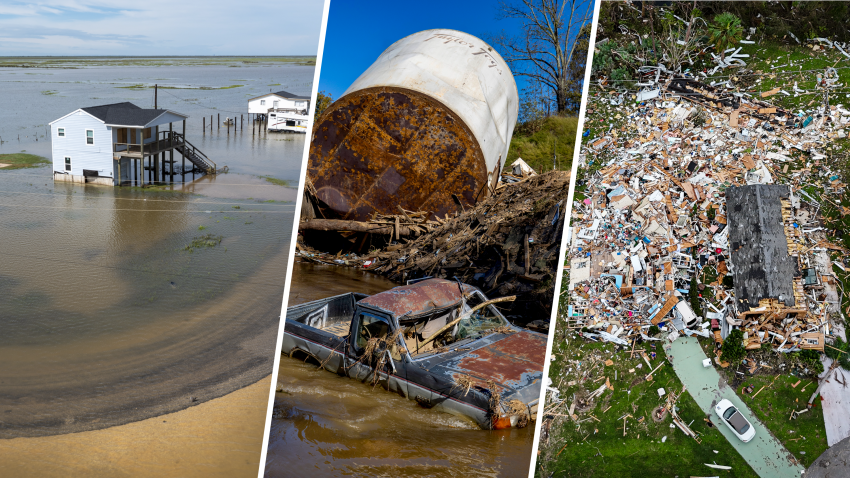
column 507, row 244
column 703, row 213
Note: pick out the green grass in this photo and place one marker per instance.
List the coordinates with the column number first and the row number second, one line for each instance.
column 558, row 135
column 202, row 242
column 281, row 182
column 773, row 407
column 22, row 160
column 764, row 55
column 140, row 86
column 599, row 449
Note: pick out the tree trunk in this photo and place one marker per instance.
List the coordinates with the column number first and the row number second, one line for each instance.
column 561, row 99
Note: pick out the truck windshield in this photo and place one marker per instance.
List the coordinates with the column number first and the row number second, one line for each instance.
column 481, row 321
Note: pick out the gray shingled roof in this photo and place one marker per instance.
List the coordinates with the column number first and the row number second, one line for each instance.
column 759, row 249
column 286, row 94
column 123, row 114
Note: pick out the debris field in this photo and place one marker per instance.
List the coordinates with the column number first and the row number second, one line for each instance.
column 702, row 214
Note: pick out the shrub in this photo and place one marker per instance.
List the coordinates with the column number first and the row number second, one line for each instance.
column 733, row 350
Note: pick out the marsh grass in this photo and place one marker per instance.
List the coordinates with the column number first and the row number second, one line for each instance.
column 22, row 160
column 202, row 242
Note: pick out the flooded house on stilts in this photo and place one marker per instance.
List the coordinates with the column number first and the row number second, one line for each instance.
column 123, row 144
column 282, row 111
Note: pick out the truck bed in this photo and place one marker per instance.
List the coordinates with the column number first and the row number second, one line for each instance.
column 331, row 315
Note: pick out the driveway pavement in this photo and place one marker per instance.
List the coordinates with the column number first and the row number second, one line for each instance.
column 764, row 453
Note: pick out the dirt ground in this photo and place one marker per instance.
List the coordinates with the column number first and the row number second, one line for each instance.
column 221, row 437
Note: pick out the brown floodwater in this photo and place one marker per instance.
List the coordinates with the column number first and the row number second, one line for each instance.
column 326, row 425
column 119, row 305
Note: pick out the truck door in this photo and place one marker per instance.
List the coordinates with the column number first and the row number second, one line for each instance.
column 369, row 344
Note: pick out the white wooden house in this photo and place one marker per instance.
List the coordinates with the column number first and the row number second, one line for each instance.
column 109, row 144
column 279, row 100
column 282, row 110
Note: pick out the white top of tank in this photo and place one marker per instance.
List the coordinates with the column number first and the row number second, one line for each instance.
column 460, row 71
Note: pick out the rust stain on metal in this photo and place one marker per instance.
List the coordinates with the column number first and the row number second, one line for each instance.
column 379, row 148
column 510, row 362
column 418, row 298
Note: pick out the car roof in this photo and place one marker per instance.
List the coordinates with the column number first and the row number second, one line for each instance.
column 738, row 422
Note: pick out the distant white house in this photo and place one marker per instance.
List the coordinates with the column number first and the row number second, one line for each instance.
column 282, row 110
column 101, row 144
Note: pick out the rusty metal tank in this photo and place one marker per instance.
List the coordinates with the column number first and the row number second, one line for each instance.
column 432, row 117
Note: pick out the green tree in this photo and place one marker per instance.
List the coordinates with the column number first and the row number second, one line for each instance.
column 811, row 359
column 323, row 100
column 725, row 31
column 693, row 293
column 841, row 354
column 733, row 350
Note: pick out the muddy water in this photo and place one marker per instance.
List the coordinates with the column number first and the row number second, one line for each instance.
column 121, row 304
column 325, row 425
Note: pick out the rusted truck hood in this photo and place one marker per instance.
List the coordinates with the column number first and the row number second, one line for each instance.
column 514, row 362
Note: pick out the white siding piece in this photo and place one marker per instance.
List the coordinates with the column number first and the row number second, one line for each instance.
column 636, row 263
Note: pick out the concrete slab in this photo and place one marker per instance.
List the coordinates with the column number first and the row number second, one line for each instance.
column 834, row 463
column 764, row 453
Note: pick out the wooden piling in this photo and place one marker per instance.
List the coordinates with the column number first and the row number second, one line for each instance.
column 183, row 155
column 241, row 122
column 218, row 117
column 204, row 123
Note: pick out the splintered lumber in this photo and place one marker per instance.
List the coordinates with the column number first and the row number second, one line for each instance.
column 563, row 448
column 668, row 306
column 354, row 226
column 719, row 467
column 771, row 92
column 653, row 371
column 763, row 386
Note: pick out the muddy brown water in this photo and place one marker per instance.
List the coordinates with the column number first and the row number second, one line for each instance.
column 326, row 425
column 110, row 315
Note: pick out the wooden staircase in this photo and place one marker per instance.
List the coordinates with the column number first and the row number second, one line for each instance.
column 193, row 154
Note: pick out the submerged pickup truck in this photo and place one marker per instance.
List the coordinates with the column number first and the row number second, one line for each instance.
column 482, row 367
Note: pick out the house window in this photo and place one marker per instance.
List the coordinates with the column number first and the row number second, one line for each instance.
column 89, row 136
column 61, row 131
column 275, row 104
column 67, row 163
column 262, row 102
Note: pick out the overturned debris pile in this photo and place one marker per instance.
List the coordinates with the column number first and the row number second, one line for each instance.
column 705, row 214
column 508, row 244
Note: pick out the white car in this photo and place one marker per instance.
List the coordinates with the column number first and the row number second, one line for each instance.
column 734, row 420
